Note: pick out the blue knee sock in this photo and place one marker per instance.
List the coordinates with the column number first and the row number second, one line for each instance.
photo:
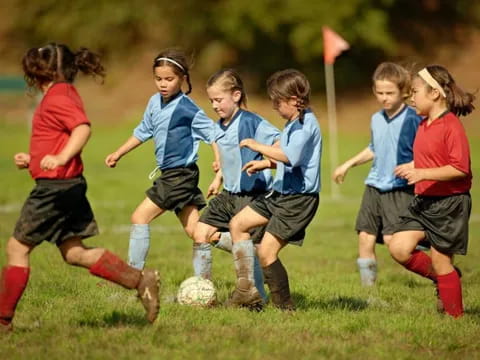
column 202, row 260
column 368, row 271
column 258, row 277
column 243, row 258
column 225, row 242
column 139, row 245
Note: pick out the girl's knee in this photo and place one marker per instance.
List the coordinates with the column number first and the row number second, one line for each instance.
column 399, row 253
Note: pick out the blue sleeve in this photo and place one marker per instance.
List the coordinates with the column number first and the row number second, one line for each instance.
column 266, row 133
column 294, row 149
column 203, row 128
column 144, row 130
column 370, row 144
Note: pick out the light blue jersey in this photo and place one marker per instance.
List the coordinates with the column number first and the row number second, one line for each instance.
column 302, row 144
column 176, row 128
column 392, row 143
column 244, row 125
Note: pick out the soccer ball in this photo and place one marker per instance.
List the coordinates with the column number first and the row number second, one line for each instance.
column 197, row 291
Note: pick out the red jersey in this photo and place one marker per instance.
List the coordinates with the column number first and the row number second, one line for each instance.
column 442, row 143
column 59, row 112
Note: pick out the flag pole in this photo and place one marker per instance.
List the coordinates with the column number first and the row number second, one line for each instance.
column 332, row 126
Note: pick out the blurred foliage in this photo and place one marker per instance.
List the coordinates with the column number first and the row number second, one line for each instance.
column 257, row 36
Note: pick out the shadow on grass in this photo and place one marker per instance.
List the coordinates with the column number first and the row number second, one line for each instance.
column 116, row 319
column 473, row 311
column 338, row 303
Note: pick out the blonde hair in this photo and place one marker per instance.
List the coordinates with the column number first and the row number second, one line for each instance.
column 229, row 80
column 396, row 74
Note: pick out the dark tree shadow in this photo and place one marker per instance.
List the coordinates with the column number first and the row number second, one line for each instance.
column 340, row 302
column 116, row 319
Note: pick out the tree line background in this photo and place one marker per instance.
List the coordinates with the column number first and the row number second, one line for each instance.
column 257, row 37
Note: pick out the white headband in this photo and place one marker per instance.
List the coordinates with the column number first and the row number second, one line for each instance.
column 425, row 75
column 171, row 61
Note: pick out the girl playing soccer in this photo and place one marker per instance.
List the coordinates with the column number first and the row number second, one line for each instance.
column 57, row 209
column 176, row 125
column 442, row 176
column 292, row 204
column 393, row 131
column 227, row 94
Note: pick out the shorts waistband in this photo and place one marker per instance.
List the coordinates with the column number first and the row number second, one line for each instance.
column 246, row 193
column 48, row 181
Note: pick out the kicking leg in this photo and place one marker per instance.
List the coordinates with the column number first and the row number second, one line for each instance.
column 367, row 260
column 13, row 280
column 140, row 232
column 275, row 273
column 202, row 250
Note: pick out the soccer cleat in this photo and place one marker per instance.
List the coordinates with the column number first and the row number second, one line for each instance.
column 248, row 297
column 440, row 308
column 148, row 292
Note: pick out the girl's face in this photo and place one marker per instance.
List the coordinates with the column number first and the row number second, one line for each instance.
column 287, row 108
column 167, row 81
column 225, row 103
column 388, row 95
column 422, row 98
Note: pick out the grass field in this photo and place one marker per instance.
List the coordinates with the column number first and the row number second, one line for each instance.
column 64, row 314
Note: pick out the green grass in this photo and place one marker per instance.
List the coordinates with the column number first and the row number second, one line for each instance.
column 64, row 314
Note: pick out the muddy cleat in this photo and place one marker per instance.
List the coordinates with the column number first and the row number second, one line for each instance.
column 440, row 308
column 148, row 292
column 245, row 296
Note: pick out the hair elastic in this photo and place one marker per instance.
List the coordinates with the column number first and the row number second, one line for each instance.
column 425, row 75
column 171, row 61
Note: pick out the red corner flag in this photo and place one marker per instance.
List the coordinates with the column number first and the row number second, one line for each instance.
column 333, row 45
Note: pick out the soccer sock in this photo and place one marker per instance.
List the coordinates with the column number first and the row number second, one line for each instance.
column 368, row 271
column 111, row 267
column 450, row 290
column 225, row 242
column 202, row 260
column 12, row 285
column 420, row 263
column 276, row 278
column 258, row 278
column 139, row 245
column 243, row 257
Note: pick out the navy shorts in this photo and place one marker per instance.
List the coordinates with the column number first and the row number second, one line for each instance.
column 288, row 214
column 444, row 219
column 223, row 207
column 380, row 212
column 56, row 210
column 177, row 188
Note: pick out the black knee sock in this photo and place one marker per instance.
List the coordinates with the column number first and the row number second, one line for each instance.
column 276, row 278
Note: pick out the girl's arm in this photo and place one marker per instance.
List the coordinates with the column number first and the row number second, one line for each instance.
column 216, row 155
column 131, row 143
column 444, row 173
column 273, row 152
column 362, row 157
column 214, row 187
column 78, row 138
column 258, row 165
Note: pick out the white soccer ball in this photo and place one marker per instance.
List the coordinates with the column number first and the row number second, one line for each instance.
column 197, row 291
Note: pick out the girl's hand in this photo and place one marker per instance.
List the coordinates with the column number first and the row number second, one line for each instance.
column 340, row 173
column 50, row 162
column 402, row 170
column 250, row 143
column 214, row 188
column 255, row 166
column 413, row 176
column 112, row 159
column 22, row 160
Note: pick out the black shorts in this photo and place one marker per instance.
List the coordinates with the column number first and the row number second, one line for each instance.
column 223, row 207
column 289, row 215
column 56, row 210
column 444, row 219
column 177, row 188
column 380, row 212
